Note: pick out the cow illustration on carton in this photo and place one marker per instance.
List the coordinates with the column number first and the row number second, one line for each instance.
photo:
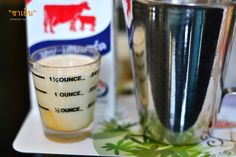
column 90, row 20
column 58, row 14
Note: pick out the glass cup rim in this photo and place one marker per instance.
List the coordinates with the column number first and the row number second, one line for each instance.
column 32, row 62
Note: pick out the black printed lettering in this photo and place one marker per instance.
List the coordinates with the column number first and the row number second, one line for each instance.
column 93, row 88
column 68, row 110
column 70, row 94
column 66, row 79
column 94, row 73
column 91, row 104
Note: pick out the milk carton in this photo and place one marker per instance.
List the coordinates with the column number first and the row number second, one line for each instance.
column 76, row 22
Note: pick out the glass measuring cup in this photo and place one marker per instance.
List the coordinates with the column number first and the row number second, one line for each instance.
column 65, row 79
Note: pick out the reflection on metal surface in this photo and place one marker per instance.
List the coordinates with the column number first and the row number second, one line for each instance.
column 140, row 63
column 178, row 52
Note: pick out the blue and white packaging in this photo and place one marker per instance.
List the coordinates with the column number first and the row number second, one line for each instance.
column 88, row 23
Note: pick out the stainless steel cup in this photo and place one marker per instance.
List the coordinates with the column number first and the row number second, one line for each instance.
column 178, row 50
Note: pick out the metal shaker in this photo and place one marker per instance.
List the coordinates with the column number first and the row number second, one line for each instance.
column 178, row 52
